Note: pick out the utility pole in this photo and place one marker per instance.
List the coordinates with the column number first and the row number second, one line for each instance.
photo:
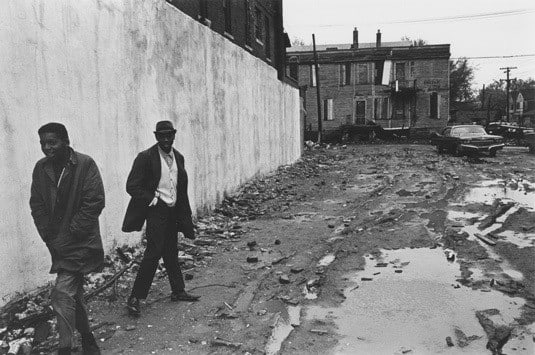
column 507, row 70
column 318, row 98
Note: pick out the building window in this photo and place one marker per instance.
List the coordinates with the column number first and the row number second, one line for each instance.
column 247, row 23
column 360, row 111
column 384, row 109
column 312, row 76
column 362, row 74
column 400, row 71
column 267, row 31
column 376, row 108
column 328, row 110
column 258, row 25
column 411, row 69
column 228, row 16
column 294, row 71
column 345, row 74
column 380, row 109
column 203, row 9
column 434, row 110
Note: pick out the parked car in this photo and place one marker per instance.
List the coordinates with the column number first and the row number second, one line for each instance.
column 511, row 132
column 467, row 139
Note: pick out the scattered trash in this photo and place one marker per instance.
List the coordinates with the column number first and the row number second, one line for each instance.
column 222, row 342
column 284, row 279
column 449, row 342
column 319, row 331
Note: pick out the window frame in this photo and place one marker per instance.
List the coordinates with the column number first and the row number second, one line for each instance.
column 328, row 109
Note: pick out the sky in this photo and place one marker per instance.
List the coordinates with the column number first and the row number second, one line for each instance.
column 473, row 28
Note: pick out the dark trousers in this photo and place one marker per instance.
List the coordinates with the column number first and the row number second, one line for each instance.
column 67, row 299
column 161, row 233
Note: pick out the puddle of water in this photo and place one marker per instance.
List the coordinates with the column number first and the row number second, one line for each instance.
column 327, row 260
column 472, row 229
column 282, row 329
column 519, row 239
column 522, row 193
column 416, row 309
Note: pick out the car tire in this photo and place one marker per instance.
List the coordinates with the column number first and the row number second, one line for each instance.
column 492, row 153
column 458, row 151
column 531, row 148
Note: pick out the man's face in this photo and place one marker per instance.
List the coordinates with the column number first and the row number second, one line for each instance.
column 53, row 146
column 165, row 140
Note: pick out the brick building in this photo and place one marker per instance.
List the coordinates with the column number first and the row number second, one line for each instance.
column 255, row 25
column 394, row 84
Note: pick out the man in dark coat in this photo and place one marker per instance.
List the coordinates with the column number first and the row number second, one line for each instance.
column 67, row 197
column 158, row 185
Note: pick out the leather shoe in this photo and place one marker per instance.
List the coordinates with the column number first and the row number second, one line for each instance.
column 89, row 345
column 133, row 306
column 184, row 296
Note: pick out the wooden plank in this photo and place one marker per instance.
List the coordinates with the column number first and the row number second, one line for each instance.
column 485, row 239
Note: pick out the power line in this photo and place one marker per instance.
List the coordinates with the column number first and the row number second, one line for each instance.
column 497, row 56
column 486, row 15
column 476, row 16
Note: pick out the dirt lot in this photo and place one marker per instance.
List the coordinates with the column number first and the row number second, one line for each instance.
column 364, row 249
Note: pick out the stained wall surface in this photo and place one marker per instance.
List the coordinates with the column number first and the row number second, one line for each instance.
column 109, row 70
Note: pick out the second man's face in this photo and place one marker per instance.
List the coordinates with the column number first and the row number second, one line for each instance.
column 165, row 141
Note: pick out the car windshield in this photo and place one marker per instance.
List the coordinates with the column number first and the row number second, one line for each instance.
column 467, row 131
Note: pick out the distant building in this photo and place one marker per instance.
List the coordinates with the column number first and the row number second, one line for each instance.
column 255, row 25
column 394, row 84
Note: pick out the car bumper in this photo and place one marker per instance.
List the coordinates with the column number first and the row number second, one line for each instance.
column 475, row 148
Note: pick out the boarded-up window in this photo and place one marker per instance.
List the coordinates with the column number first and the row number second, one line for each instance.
column 360, row 112
column 294, row 71
column 228, row 16
column 400, row 71
column 376, row 108
column 343, row 74
column 384, row 109
column 247, row 23
column 433, row 105
column 267, row 30
column 362, row 74
column 328, row 110
column 258, row 25
column 312, row 76
column 412, row 69
column 203, row 4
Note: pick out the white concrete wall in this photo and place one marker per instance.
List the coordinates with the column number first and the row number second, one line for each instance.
column 109, row 70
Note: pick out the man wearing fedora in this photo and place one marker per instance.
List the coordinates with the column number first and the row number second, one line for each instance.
column 158, row 186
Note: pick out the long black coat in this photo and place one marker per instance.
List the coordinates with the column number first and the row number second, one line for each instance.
column 143, row 181
column 66, row 216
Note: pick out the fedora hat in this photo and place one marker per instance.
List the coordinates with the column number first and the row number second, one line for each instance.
column 165, row 127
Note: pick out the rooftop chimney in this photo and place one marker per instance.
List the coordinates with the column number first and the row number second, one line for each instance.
column 378, row 42
column 355, row 38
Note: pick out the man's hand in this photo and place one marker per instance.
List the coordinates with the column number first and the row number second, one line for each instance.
column 154, row 201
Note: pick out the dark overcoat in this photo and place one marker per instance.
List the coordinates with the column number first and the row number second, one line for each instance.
column 66, row 216
column 141, row 184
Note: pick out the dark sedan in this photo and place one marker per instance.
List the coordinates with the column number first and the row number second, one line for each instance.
column 467, row 139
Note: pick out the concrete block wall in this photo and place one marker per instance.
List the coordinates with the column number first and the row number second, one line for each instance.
column 109, row 70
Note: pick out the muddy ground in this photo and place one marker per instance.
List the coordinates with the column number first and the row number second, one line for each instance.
column 364, row 249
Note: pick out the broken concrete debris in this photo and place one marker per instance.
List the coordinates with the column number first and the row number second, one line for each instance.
column 449, row 342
